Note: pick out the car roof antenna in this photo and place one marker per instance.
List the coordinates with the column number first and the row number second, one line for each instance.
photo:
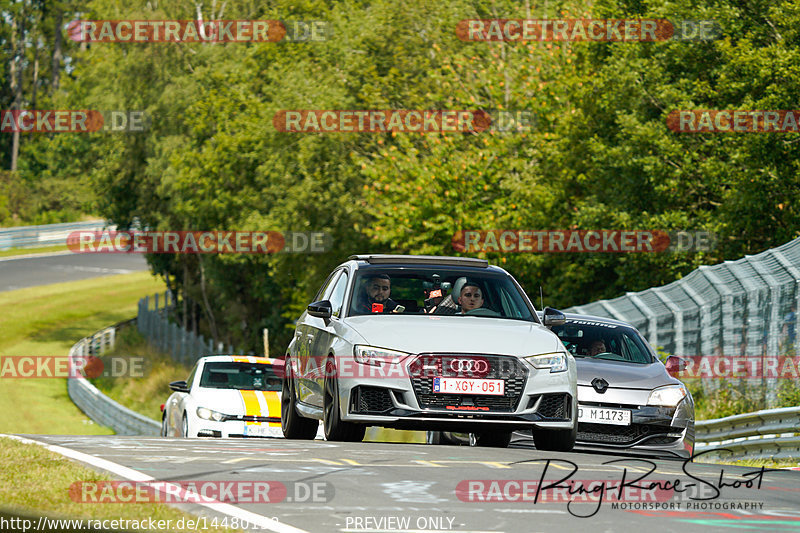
column 541, row 297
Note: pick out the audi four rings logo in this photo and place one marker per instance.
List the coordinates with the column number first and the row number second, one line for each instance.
column 478, row 366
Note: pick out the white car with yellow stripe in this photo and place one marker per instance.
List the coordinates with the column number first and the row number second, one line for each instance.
column 226, row 396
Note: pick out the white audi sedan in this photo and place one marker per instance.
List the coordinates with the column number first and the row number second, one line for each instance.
column 428, row 343
column 226, row 396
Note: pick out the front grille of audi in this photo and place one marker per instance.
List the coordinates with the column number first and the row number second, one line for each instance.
column 426, row 367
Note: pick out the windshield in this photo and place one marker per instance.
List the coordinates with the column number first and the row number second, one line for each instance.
column 439, row 291
column 241, row 376
column 598, row 340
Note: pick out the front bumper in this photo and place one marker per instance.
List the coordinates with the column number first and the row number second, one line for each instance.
column 533, row 398
column 653, row 430
column 237, row 429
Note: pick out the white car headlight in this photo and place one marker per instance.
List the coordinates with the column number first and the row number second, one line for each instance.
column 556, row 362
column 369, row 355
column 208, row 414
column 668, row 396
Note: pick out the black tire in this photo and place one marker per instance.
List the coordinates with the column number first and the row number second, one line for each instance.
column 558, row 440
column 164, row 428
column 293, row 425
column 434, row 437
column 184, row 427
column 335, row 428
column 493, row 439
column 446, row 437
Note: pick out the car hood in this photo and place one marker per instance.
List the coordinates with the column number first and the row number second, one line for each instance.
column 457, row 334
column 622, row 375
column 240, row 402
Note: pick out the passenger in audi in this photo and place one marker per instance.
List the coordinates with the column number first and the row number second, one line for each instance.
column 375, row 295
column 471, row 297
column 466, row 296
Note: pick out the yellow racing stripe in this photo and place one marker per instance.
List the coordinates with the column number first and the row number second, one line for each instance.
column 273, row 401
column 251, row 405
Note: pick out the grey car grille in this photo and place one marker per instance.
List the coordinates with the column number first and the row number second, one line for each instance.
column 427, row 366
column 607, row 433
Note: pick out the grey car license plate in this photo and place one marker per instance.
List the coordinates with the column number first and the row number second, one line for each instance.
column 603, row 415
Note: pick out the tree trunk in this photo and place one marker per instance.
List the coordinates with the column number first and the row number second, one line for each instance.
column 16, row 84
column 57, row 55
column 212, row 324
column 35, row 76
column 183, row 296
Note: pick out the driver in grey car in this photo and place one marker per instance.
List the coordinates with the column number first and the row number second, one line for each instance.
column 597, row 347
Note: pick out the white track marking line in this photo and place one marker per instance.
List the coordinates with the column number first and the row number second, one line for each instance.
column 134, row 475
column 28, row 256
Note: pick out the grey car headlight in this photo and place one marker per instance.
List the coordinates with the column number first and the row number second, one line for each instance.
column 556, row 362
column 668, row 396
column 208, row 414
column 370, row 355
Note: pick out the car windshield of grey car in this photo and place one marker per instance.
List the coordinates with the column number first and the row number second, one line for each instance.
column 431, row 291
column 600, row 340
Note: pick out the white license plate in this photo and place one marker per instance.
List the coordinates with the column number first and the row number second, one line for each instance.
column 602, row 415
column 260, row 431
column 491, row 387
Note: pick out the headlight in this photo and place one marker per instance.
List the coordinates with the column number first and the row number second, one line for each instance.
column 208, row 414
column 668, row 396
column 556, row 362
column 369, row 355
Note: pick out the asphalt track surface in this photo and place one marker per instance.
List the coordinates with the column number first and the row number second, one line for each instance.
column 43, row 269
column 386, row 487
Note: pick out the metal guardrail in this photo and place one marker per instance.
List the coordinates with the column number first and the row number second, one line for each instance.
column 97, row 406
column 46, row 235
column 768, row 434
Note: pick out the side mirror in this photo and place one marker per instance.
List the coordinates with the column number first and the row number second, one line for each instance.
column 675, row 364
column 553, row 317
column 179, row 386
column 321, row 309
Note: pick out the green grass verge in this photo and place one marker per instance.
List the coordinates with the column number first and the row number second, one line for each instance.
column 34, row 478
column 39, row 250
column 48, row 320
column 757, row 463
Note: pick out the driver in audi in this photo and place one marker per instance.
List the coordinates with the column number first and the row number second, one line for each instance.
column 375, row 296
